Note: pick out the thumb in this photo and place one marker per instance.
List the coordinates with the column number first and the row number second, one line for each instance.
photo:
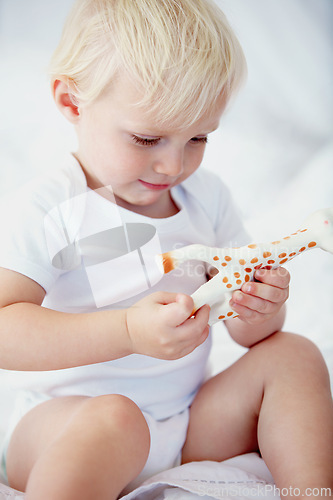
column 179, row 310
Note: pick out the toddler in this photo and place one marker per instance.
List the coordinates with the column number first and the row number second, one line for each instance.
column 106, row 360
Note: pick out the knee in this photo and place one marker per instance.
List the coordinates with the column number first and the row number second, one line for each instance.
column 288, row 352
column 118, row 415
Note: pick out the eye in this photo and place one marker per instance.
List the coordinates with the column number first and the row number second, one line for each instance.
column 145, row 141
column 199, row 140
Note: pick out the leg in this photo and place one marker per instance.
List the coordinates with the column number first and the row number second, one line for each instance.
column 276, row 399
column 78, row 448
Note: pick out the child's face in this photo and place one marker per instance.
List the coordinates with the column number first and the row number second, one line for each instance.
column 121, row 147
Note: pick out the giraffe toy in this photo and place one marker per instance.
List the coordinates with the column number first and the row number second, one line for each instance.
column 237, row 266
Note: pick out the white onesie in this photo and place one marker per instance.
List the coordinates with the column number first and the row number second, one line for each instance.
column 89, row 255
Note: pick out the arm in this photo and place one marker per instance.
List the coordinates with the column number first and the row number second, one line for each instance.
column 260, row 305
column 35, row 338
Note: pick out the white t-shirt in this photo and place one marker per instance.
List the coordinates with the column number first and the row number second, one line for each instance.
column 89, row 255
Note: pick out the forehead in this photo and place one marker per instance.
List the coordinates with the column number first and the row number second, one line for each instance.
column 129, row 104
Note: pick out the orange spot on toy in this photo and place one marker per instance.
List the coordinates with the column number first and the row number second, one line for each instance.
column 312, row 244
column 253, row 261
column 253, row 245
column 225, row 280
column 282, row 255
column 266, row 254
column 216, row 257
column 242, row 262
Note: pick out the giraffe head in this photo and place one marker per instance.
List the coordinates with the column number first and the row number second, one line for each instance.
column 320, row 223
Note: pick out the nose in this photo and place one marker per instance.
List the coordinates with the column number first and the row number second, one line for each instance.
column 171, row 162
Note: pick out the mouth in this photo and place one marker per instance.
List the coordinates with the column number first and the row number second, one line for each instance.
column 154, row 187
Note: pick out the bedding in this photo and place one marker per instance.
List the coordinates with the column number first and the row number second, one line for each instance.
column 274, row 149
column 244, row 477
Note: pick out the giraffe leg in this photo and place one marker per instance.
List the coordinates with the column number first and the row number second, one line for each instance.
column 208, row 293
column 221, row 310
column 212, row 293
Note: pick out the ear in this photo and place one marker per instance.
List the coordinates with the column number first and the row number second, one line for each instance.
column 65, row 101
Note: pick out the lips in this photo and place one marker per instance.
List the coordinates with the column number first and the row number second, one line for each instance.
column 154, row 187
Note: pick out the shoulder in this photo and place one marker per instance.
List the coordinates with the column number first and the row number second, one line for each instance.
column 44, row 192
column 56, row 186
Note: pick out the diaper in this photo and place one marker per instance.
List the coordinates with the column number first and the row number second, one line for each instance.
column 25, row 401
column 167, row 438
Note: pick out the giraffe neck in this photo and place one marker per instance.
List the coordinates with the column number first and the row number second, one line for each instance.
column 276, row 253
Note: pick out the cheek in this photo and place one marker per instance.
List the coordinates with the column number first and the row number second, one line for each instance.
column 194, row 159
column 133, row 161
column 122, row 164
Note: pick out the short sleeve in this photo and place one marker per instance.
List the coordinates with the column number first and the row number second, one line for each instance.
column 39, row 224
column 23, row 239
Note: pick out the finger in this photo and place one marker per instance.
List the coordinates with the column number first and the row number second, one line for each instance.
column 177, row 311
column 194, row 327
column 192, row 333
column 202, row 314
column 279, row 277
column 241, row 300
column 189, row 346
column 164, row 298
column 266, row 292
column 249, row 315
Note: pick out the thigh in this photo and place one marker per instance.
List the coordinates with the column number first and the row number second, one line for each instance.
column 37, row 429
column 224, row 414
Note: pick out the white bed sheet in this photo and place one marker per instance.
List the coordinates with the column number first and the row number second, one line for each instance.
column 274, row 149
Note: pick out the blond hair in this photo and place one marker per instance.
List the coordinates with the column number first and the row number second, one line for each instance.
column 181, row 54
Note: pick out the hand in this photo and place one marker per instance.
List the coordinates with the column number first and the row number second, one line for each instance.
column 260, row 300
column 160, row 325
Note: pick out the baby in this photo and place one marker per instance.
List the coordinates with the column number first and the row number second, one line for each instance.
column 106, row 361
